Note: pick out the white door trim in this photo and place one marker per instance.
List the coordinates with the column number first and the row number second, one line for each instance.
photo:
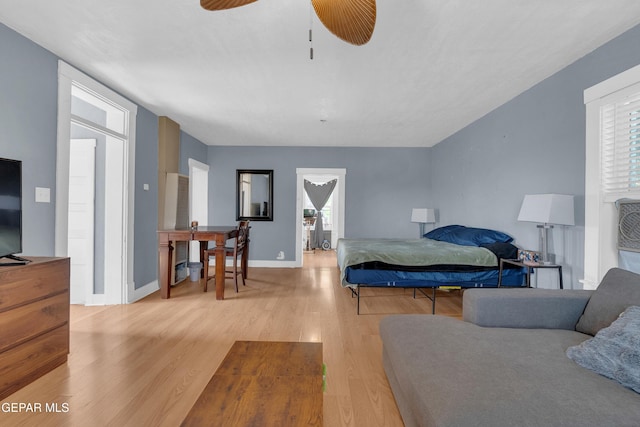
column 67, row 78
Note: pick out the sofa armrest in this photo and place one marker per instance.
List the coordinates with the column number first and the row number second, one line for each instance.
column 524, row 308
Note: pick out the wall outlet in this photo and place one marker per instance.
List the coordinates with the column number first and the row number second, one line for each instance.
column 280, row 255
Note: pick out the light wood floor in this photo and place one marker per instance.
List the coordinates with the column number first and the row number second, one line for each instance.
column 145, row 364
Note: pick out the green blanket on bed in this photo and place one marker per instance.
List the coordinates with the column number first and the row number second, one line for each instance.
column 410, row 252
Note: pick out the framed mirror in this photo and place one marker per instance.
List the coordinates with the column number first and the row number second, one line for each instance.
column 254, row 194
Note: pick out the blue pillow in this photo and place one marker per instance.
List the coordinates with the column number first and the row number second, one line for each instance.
column 437, row 233
column 468, row 236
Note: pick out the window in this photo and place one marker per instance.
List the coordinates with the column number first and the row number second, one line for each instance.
column 612, row 166
column 620, row 144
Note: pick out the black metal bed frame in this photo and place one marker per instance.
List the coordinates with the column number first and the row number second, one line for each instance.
column 355, row 293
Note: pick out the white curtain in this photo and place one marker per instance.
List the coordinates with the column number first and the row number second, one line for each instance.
column 319, row 195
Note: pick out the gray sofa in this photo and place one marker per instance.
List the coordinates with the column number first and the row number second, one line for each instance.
column 506, row 364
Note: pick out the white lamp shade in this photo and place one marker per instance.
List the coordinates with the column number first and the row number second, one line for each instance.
column 423, row 215
column 547, row 209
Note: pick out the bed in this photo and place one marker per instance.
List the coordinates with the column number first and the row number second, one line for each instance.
column 454, row 256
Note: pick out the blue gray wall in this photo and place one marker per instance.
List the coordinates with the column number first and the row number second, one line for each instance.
column 145, row 244
column 478, row 176
column 28, row 132
column 190, row 148
column 533, row 144
column 28, row 126
column 382, row 186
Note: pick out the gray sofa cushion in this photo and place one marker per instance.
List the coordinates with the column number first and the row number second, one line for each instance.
column 618, row 290
column 615, row 350
column 449, row 373
column 525, row 308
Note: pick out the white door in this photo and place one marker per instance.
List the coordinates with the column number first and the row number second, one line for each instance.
column 81, row 218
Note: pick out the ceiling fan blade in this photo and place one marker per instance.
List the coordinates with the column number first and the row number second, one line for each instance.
column 223, row 4
column 350, row 20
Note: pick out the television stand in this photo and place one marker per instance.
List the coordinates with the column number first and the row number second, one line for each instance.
column 15, row 260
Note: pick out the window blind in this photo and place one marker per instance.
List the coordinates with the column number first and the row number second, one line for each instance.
column 620, row 145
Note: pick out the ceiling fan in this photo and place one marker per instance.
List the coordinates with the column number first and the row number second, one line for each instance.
column 350, row 20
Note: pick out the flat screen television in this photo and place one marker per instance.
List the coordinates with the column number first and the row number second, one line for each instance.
column 10, row 211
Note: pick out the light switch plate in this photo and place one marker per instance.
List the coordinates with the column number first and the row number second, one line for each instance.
column 43, row 195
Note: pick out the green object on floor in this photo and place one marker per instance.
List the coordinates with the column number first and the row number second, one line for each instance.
column 324, row 378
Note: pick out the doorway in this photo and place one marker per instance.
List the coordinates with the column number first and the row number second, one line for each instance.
column 87, row 107
column 320, row 175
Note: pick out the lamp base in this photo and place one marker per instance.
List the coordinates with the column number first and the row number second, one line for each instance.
column 544, row 243
column 551, row 260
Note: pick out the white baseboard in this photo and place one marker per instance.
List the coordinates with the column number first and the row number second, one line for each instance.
column 144, row 291
column 96, row 299
column 272, row 264
column 138, row 294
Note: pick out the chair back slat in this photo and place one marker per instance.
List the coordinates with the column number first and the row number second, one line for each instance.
column 243, row 234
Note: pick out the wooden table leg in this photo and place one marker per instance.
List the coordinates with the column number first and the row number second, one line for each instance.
column 245, row 260
column 220, row 267
column 165, row 251
column 203, row 247
column 560, row 276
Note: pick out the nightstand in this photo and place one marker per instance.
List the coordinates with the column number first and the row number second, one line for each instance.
column 529, row 266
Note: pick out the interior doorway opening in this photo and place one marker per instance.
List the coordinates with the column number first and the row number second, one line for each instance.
column 88, row 110
column 337, row 211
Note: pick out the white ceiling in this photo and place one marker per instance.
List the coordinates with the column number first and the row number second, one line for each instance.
column 244, row 77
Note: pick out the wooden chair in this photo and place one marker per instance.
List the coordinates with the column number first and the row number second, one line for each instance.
column 238, row 250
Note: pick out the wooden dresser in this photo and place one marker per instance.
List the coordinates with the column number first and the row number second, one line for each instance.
column 34, row 321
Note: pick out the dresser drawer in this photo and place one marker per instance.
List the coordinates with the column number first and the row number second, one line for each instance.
column 28, row 321
column 37, row 280
column 23, row 364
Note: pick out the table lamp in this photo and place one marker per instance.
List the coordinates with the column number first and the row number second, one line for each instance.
column 547, row 210
column 423, row 216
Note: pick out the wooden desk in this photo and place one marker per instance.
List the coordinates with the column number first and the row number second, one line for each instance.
column 263, row 383
column 204, row 234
